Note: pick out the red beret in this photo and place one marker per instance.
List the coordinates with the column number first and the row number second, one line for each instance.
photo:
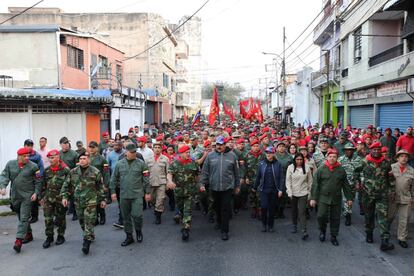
column 332, row 151
column 387, row 129
column 376, row 145
column 131, row 129
column 252, row 134
column 266, row 129
column 159, row 138
column 207, row 143
column 226, row 140
column 384, row 149
column 106, row 133
column 179, row 138
column 228, row 130
column 52, row 153
column 240, row 141
column 142, row 139
column 370, row 126
column 254, row 142
column 22, row 151
column 183, row 149
column 263, row 136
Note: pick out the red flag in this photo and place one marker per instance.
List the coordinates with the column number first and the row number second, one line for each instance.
column 242, row 105
column 228, row 111
column 185, row 117
column 214, row 108
column 259, row 112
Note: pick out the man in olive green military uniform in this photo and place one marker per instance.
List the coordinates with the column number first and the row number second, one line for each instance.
column 132, row 176
column 99, row 162
column 377, row 184
column 285, row 160
column 329, row 183
column 349, row 161
column 182, row 178
column 70, row 158
column 51, row 200
column 240, row 200
column 85, row 183
column 25, row 180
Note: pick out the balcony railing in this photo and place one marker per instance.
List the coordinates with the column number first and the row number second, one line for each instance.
column 386, row 55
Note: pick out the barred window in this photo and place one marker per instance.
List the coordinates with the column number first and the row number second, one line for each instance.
column 357, row 45
column 75, row 58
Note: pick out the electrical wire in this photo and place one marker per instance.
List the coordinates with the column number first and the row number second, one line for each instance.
column 167, row 36
column 20, row 13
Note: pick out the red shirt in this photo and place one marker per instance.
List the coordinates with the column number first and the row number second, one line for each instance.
column 406, row 143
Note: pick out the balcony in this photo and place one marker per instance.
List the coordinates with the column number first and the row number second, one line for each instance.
column 182, row 99
column 386, row 55
column 324, row 29
column 319, row 78
column 181, row 76
column 182, row 50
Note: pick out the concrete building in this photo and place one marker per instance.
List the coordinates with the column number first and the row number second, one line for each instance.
column 48, row 56
column 325, row 81
column 377, row 42
column 153, row 69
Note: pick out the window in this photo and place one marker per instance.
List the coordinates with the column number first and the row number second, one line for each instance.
column 165, row 80
column 357, row 45
column 104, row 68
column 118, row 73
column 75, row 58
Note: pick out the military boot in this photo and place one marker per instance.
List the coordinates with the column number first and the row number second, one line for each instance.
column 60, row 240
column 18, row 245
column 102, row 217
column 129, row 239
column 294, row 229
column 85, row 247
column 348, row 220
column 185, row 234
column 28, row 238
column 157, row 217
column 322, row 235
column 386, row 245
column 47, row 242
column 334, row 241
column 369, row 238
column 140, row 237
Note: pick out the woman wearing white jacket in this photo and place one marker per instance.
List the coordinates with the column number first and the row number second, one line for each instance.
column 298, row 186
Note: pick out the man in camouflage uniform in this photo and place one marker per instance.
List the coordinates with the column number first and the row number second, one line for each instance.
column 99, row 162
column 241, row 198
column 198, row 155
column 70, row 158
column 253, row 157
column 320, row 155
column 54, row 212
column 350, row 161
column 285, row 160
column 24, row 176
column 377, row 185
column 342, row 143
column 182, row 178
column 132, row 176
column 84, row 182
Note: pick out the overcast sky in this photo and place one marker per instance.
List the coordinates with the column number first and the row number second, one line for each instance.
column 235, row 32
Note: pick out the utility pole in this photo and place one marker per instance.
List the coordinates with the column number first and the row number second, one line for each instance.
column 284, row 79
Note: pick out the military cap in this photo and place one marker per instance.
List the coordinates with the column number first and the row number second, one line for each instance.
column 22, row 151
column 131, row 147
column 254, row 142
column 64, row 140
column 84, row 154
column 93, row 144
column 323, row 139
column 79, row 143
column 402, row 152
column 349, row 146
column 376, row 145
column 193, row 137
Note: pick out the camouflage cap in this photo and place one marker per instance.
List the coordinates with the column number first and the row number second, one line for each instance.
column 349, row 146
column 131, row 147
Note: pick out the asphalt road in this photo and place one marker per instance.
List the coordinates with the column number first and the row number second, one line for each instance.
column 247, row 252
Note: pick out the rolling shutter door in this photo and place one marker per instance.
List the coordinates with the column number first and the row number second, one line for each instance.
column 362, row 116
column 396, row 115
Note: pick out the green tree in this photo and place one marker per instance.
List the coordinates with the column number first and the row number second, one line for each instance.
column 230, row 93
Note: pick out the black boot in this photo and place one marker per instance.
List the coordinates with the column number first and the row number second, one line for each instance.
column 348, row 220
column 140, row 237
column 47, row 242
column 369, row 238
column 322, row 235
column 334, row 241
column 85, row 247
column 60, row 240
column 185, row 234
column 386, row 245
column 224, row 236
column 157, row 217
column 74, row 217
column 129, row 239
column 403, row 244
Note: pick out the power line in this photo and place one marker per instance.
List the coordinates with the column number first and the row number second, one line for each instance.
column 167, row 36
column 20, row 13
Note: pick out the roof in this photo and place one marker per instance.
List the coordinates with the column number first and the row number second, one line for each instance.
column 99, row 95
column 44, row 28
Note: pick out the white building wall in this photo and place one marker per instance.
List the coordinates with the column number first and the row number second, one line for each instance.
column 30, row 58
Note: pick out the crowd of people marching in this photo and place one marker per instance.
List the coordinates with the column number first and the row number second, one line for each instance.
column 220, row 170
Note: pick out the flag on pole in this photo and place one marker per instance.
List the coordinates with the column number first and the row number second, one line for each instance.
column 214, row 108
column 242, row 106
column 196, row 118
column 228, row 111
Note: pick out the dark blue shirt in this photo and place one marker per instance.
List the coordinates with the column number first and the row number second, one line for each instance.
column 268, row 181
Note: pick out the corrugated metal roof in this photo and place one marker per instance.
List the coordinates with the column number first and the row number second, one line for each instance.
column 44, row 28
column 99, row 95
